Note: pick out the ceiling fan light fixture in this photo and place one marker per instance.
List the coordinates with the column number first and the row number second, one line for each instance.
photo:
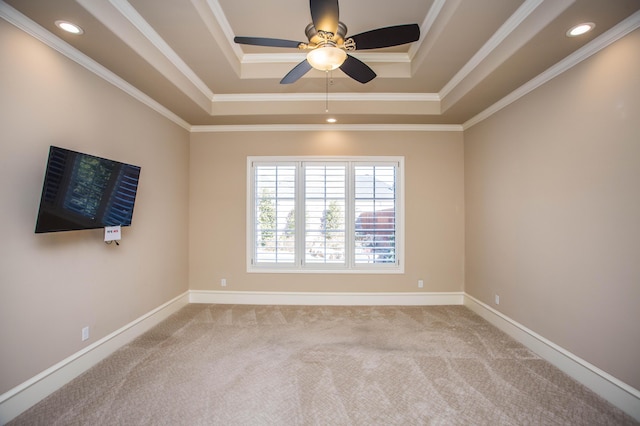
column 326, row 58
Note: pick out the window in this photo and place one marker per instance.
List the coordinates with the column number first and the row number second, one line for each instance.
column 311, row 214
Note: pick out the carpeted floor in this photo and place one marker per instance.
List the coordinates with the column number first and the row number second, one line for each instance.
column 310, row 365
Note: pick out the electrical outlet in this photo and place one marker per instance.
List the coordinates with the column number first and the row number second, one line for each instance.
column 85, row 333
column 223, row 282
column 420, row 283
column 497, row 299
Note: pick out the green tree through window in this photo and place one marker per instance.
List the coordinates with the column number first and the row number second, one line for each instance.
column 266, row 218
column 332, row 219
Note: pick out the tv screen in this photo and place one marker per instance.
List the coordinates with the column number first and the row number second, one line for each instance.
column 81, row 191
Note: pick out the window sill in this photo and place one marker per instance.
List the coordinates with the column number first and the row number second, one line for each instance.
column 267, row 270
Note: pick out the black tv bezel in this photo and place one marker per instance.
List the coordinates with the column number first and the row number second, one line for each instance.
column 53, row 217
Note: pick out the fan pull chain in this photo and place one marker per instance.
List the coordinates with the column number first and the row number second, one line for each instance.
column 328, row 82
column 326, row 101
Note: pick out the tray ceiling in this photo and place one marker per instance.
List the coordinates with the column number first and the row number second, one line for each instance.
column 180, row 54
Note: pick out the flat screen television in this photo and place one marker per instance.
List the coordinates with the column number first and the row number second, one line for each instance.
column 81, row 191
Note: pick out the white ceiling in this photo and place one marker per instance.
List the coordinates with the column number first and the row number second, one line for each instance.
column 180, row 56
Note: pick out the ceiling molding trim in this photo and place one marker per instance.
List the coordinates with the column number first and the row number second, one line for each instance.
column 112, row 18
column 614, row 34
column 312, row 103
column 496, row 39
column 294, row 58
column 132, row 15
column 374, row 57
column 23, row 23
column 543, row 15
column 394, row 69
column 224, row 25
column 426, row 26
column 272, row 58
column 432, row 34
column 220, row 30
column 328, row 128
column 300, row 97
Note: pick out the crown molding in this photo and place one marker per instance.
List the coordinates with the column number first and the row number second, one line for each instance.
column 223, row 24
column 328, row 128
column 503, row 32
column 294, row 58
column 219, row 28
column 131, row 28
column 614, row 34
column 355, row 97
column 25, row 24
column 426, row 26
column 132, row 15
column 276, row 65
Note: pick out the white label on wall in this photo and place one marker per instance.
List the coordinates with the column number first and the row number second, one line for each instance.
column 112, row 233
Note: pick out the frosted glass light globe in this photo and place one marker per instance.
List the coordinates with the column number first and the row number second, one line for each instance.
column 326, row 58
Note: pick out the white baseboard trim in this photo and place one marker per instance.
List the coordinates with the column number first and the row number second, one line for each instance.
column 613, row 390
column 27, row 394
column 328, row 299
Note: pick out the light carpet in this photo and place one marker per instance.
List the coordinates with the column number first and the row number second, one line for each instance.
column 316, row 365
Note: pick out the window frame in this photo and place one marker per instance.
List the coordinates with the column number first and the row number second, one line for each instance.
column 350, row 266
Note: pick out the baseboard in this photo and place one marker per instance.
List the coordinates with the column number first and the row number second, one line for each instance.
column 329, row 299
column 25, row 395
column 613, row 390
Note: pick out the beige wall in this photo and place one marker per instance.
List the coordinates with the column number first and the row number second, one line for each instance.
column 434, row 209
column 553, row 210
column 52, row 285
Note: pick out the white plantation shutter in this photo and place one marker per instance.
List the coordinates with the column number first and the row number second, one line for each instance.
column 324, row 208
column 375, row 218
column 310, row 214
column 275, row 234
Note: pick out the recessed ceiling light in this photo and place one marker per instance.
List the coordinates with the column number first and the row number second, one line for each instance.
column 69, row 27
column 580, row 29
column 331, row 120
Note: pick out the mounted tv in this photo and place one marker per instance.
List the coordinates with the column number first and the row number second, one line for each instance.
column 81, row 191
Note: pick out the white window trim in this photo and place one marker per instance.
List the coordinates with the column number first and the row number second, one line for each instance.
column 297, row 268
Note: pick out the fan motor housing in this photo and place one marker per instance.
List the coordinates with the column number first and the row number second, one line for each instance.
column 317, row 39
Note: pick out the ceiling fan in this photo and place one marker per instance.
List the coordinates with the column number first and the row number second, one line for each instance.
column 328, row 46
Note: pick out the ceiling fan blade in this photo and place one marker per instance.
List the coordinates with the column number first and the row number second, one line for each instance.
column 357, row 70
column 387, row 37
column 325, row 15
column 298, row 71
column 263, row 41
